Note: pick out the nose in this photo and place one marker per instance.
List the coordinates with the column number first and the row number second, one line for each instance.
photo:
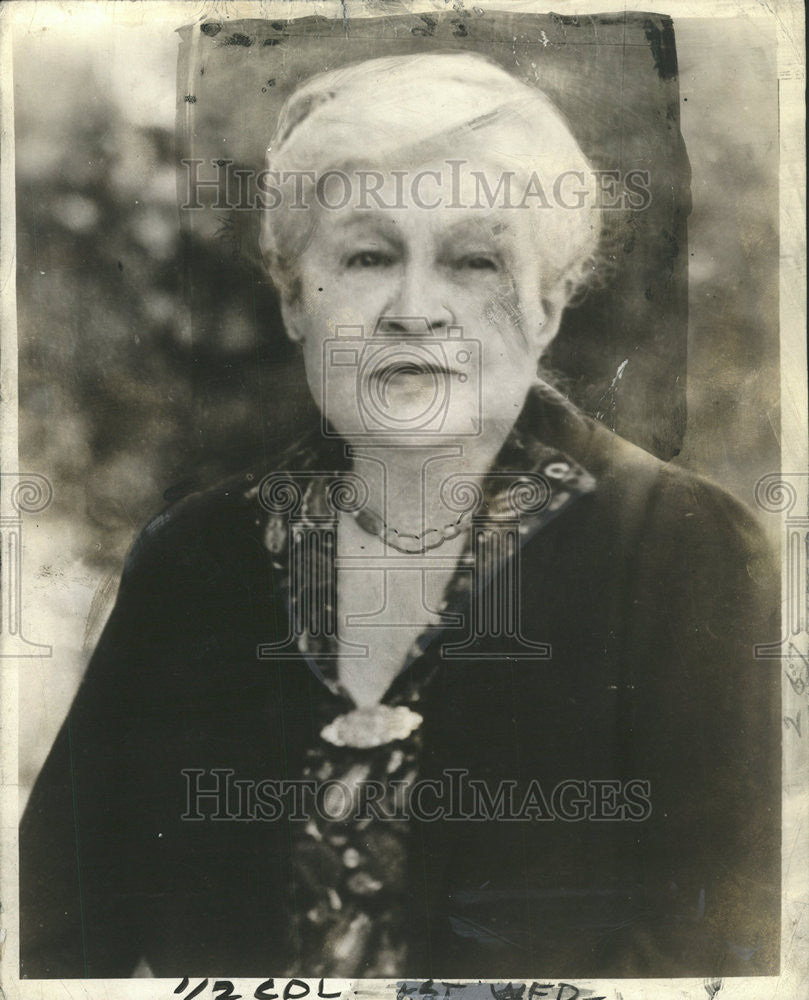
column 419, row 305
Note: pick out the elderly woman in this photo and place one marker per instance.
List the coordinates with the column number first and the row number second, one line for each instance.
column 461, row 685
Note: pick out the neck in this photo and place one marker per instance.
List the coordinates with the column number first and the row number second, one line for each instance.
column 413, row 487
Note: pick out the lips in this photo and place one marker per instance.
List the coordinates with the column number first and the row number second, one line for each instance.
column 396, row 369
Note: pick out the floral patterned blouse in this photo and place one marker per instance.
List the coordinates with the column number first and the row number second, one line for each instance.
column 348, row 889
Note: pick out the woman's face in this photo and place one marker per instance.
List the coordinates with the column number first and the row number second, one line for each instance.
column 423, row 319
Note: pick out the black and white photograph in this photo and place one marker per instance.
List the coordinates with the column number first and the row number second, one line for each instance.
column 404, row 500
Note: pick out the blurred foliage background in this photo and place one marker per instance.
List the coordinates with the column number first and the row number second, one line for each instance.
column 109, row 376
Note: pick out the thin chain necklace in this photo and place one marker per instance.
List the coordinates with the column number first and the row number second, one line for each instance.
column 371, row 522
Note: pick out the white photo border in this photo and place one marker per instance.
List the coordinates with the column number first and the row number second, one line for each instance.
column 786, row 17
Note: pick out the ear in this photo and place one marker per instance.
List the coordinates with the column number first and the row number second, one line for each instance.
column 293, row 320
column 553, row 306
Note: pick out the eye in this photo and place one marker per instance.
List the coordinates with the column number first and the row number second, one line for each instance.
column 369, row 258
column 480, row 262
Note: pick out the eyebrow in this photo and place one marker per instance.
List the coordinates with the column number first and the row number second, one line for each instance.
column 365, row 218
column 487, row 223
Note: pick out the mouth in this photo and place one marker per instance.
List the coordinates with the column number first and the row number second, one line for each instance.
column 410, row 369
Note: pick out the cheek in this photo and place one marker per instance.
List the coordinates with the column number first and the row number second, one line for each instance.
column 330, row 306
column 509, row 347
column 513, row 317
column 507, row 329
column 331, row 381
column 333, row 298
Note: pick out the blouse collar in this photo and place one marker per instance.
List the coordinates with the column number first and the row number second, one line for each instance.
column 530, row 483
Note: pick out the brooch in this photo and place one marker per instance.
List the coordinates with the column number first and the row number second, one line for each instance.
column 365, row 728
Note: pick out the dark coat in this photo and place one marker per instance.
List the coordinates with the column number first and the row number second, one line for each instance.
column 652, row 590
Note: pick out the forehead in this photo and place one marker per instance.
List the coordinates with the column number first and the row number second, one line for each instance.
column 449, row 198
column 415, row 221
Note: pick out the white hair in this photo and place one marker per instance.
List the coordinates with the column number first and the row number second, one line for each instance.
column 417, row 109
